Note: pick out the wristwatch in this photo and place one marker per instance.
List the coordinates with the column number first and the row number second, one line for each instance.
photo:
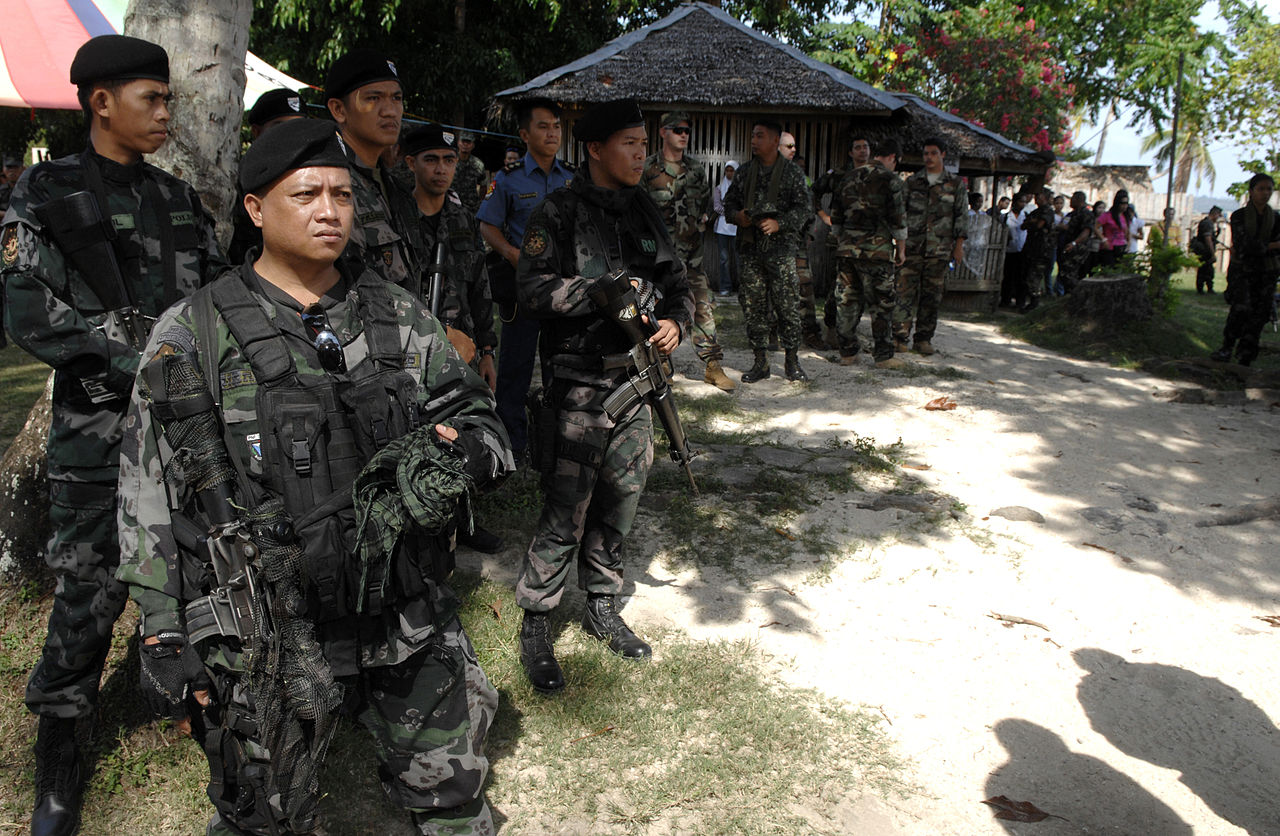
column 486, row 352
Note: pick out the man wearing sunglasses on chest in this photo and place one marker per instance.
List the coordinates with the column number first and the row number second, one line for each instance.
column 321, row 392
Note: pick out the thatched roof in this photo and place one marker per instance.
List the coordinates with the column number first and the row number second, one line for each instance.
column 978, row 150
column 701, row 57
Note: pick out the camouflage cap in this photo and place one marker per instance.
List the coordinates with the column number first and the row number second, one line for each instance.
column 674, row 118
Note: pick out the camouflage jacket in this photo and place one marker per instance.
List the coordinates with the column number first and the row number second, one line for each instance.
column 868, row 212
column 379, row 240
column 1042, row 239
column 467, row 182
column 152, row 487
column 563, row 257
column 51, row 312
column 467, row 304
column 682, row 194
column 937, row 214
column 792, row 207
column 829, row 183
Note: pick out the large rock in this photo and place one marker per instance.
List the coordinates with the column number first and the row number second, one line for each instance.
column 24, row 496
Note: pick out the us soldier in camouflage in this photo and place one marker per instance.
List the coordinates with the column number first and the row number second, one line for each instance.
column 366, row 99
column 811, row 333
column 599, row 223
column 868, row 218
column 770, row 204
column 1038, row 251
column 678, row 184
column 162, row 240
column 1076, row 235
column 313, row 370
column 827, row 184
column 466, row 308
column 937, row 225
column 471, row 178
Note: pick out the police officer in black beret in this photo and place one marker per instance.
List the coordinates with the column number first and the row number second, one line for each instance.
column 272, row 108
column 595, row 466
column 94, row 247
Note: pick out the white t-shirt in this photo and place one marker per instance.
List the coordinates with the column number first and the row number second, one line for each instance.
column 1135, row 229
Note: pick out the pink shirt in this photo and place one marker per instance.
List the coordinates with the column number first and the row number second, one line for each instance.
column 1116, row 234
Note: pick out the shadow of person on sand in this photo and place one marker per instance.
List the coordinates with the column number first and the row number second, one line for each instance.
column 1225, row 747
column 1088, row 792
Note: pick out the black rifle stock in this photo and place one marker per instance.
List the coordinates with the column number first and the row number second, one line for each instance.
column 437, row 279
column 76, row 225
column 616, row 297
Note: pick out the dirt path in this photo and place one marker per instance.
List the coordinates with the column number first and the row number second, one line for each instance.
column 1146, row 707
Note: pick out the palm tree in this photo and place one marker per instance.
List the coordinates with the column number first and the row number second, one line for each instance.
column 1193, row 155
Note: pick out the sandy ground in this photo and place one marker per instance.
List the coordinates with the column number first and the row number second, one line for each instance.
column 1146, row 708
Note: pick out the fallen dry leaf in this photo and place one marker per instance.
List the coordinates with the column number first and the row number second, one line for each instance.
column 942, row 403
column 1099, row 548
column 1011, row 810
column 496, row 608
column 610, row 727
column 1273, row 620
column 785, row 533
column 916, row 467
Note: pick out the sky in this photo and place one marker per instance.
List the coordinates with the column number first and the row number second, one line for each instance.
column 1124, row 143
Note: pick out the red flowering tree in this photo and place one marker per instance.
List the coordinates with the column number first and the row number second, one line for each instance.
column 990, row 65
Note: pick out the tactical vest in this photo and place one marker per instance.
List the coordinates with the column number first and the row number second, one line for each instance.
column 316, row 433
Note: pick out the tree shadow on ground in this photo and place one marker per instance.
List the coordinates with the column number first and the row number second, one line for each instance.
column 1226, row 748
column 1090, row 794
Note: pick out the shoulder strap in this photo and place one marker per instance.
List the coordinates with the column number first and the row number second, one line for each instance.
column 381, row 327
column 258, row 338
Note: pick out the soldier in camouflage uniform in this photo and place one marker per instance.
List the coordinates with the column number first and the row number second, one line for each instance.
column 471, row 178
column 811, row 333
column 937, row 226
column 770, row 204
column 859, row 154
column 1038, row 251
column 13, row 169
column 163, row 242
column 868, row 219
column 466, row 308
column 596, row 470
column 1075, row 247
column 277, row 338
column 366, row 100
column 678, row 184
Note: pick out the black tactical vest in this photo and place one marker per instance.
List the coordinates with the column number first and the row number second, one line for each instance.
column 316, row 434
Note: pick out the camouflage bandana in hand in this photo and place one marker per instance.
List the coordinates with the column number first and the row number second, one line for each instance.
column 416, row 480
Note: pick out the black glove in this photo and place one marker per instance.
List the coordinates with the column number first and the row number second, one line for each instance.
column 171, row 669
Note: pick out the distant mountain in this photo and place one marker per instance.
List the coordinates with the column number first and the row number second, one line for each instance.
column 1203, row 203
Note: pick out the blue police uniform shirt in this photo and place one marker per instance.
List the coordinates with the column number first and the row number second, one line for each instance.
column 513, row 195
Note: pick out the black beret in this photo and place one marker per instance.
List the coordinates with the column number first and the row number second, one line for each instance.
column 356, row 69
column 607, row 118
column 119, row 58
column 428, row 138
column 273, row 104
column 298, row 143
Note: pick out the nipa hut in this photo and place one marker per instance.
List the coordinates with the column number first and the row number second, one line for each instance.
column 702, row 60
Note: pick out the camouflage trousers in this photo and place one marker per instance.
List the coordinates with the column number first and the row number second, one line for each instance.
column 1071, row 267
column 704, row 312
column 83, row 553
column 428, row 717
column 764, row 280
column 919, row 287
column 863, row 283
column 590, row 502
column 1038, row 276
column 1250, row 296
column 808, row 305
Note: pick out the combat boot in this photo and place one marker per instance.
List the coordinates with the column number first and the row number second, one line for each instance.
column 537, row 653
column 717, row 378
column 759, row 370
column 1222, row 355
column 58, row 788
column 791, row 365
column 602, row 621
column 900, row 345
column 925, row 348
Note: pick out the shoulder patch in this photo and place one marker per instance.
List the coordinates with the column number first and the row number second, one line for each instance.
column 535, row 242
column 237, row 378
column 493, row 184
column 9, row 245
column 413, row 360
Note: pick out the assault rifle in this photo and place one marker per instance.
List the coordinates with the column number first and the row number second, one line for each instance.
column 76, row 226
column 437, row 279
column 616, row 297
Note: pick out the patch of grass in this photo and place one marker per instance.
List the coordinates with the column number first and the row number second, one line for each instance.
column 1194, row 329
column 512, row 509
column 687, row 743
column 915, row 370
column 22, row 379
column 868, row 454
column 713, row 419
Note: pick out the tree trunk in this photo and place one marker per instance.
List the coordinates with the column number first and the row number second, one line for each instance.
column 206, row 44
column 1110, row 303
column 24, row 496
